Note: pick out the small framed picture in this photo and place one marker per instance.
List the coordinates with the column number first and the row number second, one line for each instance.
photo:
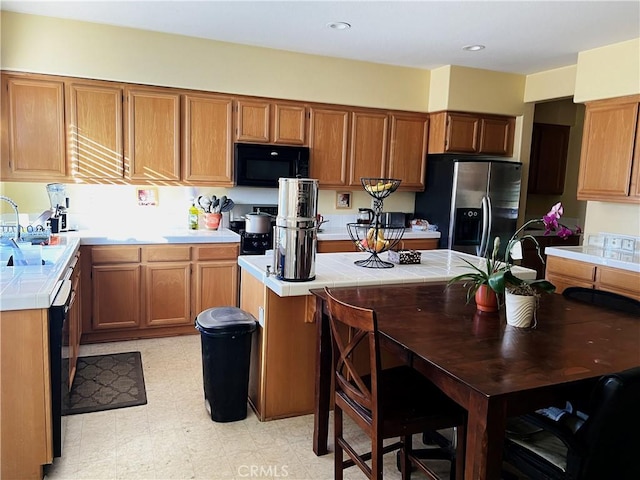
column 147, row 197
column 343, row 199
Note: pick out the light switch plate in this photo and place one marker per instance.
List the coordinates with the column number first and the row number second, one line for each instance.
column 628, row 244
column 614, row 243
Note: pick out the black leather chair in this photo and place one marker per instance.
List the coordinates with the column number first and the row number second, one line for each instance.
column 384, row 403
column 609, row 300
column 604, row 446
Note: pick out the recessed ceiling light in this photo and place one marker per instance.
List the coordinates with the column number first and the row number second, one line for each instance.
column 473, row 48
column 339, row 25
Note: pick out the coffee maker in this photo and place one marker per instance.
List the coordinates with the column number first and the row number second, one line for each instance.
column 59, row 204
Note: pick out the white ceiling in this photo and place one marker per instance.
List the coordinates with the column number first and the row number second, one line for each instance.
column 520, row 36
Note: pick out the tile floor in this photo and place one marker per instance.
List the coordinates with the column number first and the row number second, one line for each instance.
column 172, row 436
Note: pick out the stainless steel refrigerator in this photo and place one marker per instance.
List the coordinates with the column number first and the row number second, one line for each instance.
column 472, row 200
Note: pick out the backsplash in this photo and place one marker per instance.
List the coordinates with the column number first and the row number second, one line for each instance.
column 615, row 246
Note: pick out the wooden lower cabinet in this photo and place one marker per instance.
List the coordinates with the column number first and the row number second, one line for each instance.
column 283, row 359
column 75, row 319
column 25, row 437
column 146, row 291
column 564, row 273
column 335, row 246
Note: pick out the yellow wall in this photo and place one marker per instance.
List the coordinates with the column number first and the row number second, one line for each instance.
column 67, row 47
column 607, row 72
column 556, row 83
column 475, row 90
column 613, row 218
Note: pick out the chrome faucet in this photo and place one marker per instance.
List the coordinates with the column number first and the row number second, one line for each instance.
column 16, row 237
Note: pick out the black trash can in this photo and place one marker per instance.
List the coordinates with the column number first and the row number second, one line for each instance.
column 225, row 334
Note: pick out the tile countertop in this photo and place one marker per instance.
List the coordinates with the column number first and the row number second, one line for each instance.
column 342, row 234
column 35, row 286
column 598, row 256
column 338, row 270
column 129, row 237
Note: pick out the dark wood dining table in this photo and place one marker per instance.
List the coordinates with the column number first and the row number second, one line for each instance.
column 491, row 369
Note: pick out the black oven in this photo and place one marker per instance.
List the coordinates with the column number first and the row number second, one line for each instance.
column 259, row 165
column 58, row 358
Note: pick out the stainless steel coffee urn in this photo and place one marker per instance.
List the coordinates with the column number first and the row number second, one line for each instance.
column 295, row 233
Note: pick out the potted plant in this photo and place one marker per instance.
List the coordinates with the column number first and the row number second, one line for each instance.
column 497, row 276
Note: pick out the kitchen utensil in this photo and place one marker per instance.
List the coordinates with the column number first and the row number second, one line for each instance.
column 205, row 203
column 228, row 205
column 222, row 201
column 214, row 205
column 257, row 222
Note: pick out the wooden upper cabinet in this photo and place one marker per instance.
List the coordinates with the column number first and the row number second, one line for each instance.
column 289, row 124
column 253, row 121
column 368, row 152
column 96, row 145
column 328, row 142
column 610, row 154
column 548, row 165
column 153, row 134
column 473, row 133
column 496, row 136
column 408, row 149
column 269, row 122
column 207, row 145
column 34, row 139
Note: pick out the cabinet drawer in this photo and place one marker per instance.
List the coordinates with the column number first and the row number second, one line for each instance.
column 619, row 280
column 571, row 268
column 222, row 251
column 128, row 254
column 166, row 253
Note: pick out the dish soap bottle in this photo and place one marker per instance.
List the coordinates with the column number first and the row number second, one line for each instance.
column 193, row 217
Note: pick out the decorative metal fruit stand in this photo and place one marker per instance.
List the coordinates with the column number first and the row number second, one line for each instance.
column 375, row 237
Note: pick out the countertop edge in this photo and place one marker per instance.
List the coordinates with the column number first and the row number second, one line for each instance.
column 579, row 254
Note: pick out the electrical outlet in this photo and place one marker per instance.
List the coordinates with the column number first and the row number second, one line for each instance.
column 614, row 243
column 628, row 244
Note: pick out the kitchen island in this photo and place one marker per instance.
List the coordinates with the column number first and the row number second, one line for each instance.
column 283, row 355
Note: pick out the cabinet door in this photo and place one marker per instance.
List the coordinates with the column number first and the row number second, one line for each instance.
column 607, row 151
column 549, row 146
column 496, row 136
column 75, row 323
column 462, row 133
column 215, row 284
column 253, row 121
column 368, row 146
column 408, row 150
column 96, row 130
column 328, row 141
column 153, row 143
column 117, row 294
column 33, row 113
column 167, row 294
column 207, row 139
column 289, row 124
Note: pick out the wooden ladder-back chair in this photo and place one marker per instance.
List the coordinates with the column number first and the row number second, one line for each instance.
column 394, row 402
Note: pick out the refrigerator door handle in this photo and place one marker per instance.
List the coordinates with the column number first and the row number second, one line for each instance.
column 486, row 226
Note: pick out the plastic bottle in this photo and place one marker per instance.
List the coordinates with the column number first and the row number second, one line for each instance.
column 193, row 217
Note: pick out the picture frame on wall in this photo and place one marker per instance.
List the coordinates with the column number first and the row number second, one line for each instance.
column 343, row 199
column 147, row 197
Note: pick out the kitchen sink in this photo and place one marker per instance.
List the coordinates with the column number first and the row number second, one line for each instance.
column 31, row 254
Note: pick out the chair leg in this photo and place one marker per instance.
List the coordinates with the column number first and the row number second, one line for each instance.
column 338, row 455
column 377, row 462
column 405, row 463
column 457, row 468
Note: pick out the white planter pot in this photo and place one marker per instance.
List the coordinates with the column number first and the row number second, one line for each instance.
column 520, row 310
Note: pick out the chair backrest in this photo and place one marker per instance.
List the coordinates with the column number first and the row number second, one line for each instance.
column 610, row 300
column 611, row 434
column 351, row 326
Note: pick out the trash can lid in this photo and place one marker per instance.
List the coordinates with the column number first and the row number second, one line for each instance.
column 225, row 319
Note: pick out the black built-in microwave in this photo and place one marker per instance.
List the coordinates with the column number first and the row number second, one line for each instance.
column 259, row 165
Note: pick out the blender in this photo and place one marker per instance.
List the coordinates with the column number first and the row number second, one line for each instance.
column 59, row 204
